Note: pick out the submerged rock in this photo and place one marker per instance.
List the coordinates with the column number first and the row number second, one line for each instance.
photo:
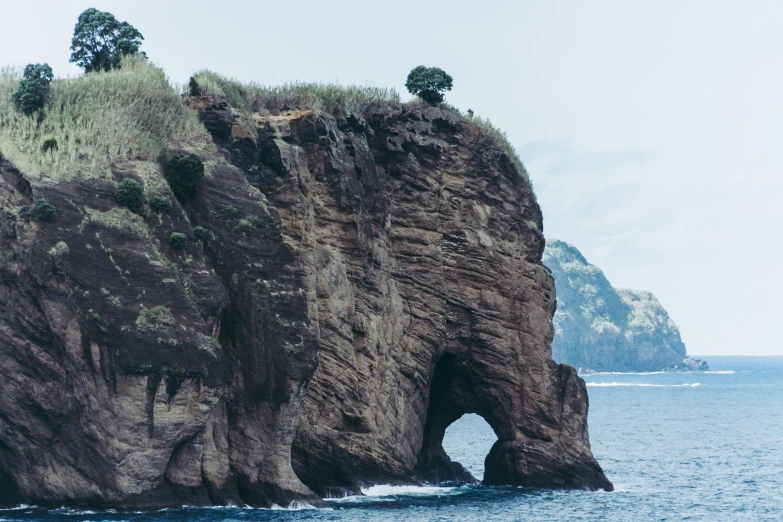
column 599, row 328
column 377, row 276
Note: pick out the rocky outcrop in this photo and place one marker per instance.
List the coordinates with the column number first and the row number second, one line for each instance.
column 385, row 280
column 600, row 328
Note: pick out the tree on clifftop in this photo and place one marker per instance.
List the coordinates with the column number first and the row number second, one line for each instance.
column 31, row 93
column 100, row 41
column 428, row 83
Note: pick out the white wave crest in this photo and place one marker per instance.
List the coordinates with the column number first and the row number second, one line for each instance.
column 296, row 505
column 643, row 384
column 17, row 508
column 721, row 372
column 387, row 490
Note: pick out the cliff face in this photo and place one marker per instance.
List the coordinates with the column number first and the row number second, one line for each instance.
column 601, row 328
column 391, row 282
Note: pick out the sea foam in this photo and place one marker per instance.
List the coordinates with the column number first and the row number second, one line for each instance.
column 643, row 384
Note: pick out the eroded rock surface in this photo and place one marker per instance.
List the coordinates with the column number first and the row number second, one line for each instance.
column 380, row 277
column 420, row 247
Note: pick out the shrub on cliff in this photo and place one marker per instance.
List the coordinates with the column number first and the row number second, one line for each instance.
column 42, row 210
column 184, row 172
column 130, row 194
column 33, row 88
column 160, row 204
column 100, row 41
column 228, row 212
column 178, row 240
column 428, row 83
column 154, row 319
column 244, row 228
column 201, row 233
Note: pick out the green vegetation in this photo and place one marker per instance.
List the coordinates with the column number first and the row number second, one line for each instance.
column 184, row 172
column 59, row 250
column 228, row 212
column 502, row 140
column 329, row 97
column 154, row 319
column 428, row 83
column 49, row 145
column 178, row 240
column 98, row 119
column 193, row 88
column 160, row 204
column 42, row 210
column 33, row 88
column 201, row 233
column 100, row 41
column 130, row 194
column 244, row 228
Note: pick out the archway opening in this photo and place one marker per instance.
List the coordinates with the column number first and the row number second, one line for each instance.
column 453, row 397
column 468, row 441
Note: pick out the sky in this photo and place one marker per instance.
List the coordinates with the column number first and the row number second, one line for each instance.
column 652, row 131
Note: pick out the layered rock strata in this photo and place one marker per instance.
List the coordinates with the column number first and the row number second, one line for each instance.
column 391, row 282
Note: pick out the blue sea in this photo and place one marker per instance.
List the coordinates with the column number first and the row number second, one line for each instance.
column 692, row 446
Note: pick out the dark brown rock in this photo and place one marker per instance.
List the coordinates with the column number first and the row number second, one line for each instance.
column 382, row 276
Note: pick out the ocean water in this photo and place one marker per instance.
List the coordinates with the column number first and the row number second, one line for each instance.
column 695, row 446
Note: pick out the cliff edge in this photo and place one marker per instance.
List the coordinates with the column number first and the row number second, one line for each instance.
column 352, row 281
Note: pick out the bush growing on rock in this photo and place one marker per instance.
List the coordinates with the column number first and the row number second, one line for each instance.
column 160, row 204
column 228, row 212
column 42, row 210
column 154, row 319
column 33, row 88
column 178, row 240
column 130, row 194
column 243, row 228
column 184, row 172
column 428, row 83
column 201, row 233
column 100, row 41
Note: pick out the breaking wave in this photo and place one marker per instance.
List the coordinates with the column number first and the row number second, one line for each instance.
column 643, row 384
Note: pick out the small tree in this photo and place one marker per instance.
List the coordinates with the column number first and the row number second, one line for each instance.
column 178, row 240
column 184, row 172
column 193, row 88
column 33, row 88
column 100, row 41
column 160, row 204
column 244, row 228
column 130, row 194
column 428, row 83
column 229, row 212
column 201, row 234
column 43, row 211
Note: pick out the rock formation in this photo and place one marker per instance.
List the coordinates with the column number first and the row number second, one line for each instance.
column 604, row 329
column 378, row 277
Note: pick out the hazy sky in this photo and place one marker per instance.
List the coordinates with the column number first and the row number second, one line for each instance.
column 653, row 130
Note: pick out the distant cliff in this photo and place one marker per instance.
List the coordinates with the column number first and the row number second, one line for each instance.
column 602, row 328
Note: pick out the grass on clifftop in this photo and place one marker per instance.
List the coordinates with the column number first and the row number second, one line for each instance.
column 500, row 137
column 328, row 97
column 97, row 119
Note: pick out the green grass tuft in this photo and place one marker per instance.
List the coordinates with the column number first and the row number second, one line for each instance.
column 328, row 97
